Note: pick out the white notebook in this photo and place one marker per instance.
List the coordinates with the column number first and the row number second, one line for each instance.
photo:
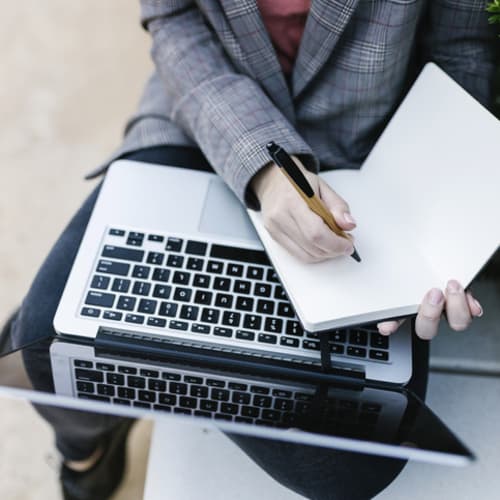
column 427, row 203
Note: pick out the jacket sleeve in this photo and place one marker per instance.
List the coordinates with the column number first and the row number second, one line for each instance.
column 458, row 37
column 224, row 111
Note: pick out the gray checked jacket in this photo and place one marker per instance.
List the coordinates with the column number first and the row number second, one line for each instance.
column 218, row 83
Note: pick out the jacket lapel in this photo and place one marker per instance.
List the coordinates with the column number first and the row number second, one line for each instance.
column 325, row 24
column 257, row 52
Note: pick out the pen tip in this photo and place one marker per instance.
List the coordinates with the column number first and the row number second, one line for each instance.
column 355, row 256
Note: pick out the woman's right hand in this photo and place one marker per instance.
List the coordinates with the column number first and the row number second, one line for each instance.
column 292, row 223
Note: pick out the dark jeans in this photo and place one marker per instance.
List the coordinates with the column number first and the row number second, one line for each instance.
column 317, row 473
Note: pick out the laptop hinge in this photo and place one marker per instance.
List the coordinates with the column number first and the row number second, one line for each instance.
column 192, row 352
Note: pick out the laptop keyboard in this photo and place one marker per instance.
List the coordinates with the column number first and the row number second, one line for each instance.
column 230, row 399
column 204, row 291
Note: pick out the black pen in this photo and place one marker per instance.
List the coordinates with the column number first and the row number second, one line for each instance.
column 293, row 173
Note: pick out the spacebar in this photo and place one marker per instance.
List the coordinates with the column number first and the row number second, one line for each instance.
column 240, row 254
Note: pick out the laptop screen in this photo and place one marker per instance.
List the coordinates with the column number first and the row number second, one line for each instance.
column 343, row 414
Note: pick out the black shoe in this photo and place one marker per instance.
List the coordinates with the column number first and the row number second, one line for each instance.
column 103, row 478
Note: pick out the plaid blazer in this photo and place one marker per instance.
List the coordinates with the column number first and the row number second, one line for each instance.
column 218, row 83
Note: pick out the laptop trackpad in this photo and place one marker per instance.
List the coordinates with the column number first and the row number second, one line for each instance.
column 224, row 215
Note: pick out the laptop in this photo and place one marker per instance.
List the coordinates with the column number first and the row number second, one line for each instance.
column 131, row 380
column 170, row 256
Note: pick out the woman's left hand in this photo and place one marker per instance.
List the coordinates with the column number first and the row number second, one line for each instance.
column 460, row 308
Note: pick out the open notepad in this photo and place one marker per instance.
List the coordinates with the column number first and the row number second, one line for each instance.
column 427, row 203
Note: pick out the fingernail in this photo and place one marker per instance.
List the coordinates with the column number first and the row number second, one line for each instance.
column 434, row 297
column 454, row 286
column 478, row 305
column 349, row 218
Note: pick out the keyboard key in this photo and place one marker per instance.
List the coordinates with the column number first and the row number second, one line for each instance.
column 136, row 382
column 245, row 335
column 162, row 291
column 358, row 337
column 134, row 318
column 141, row 288
column 271, row 414
column 265, row 306
column 107, row 367
column 231, row 318
column 117, row 232
column 209, row 405
column 224, row 300
column 281, row 393
column 135, row 235
column 155, row 258
column 100, row 282
column 149, row 373
column 214, row 266
column 279, row 293
column 167, row 399
column 259, row 389
column 272, row 276
column 244, row 303
column 181, row 278
column 267, row 338
column 120, row 285
column 261, row 402
column 87, row 387
column 175, row 260
column 196, row 247
column 237, row 386
column 311, row 345
column 198, row 391
column 234, row 270
column 201, row 280
column 222, row 283
column 182, row 294
column 379, row 355
column 213, row 382
column 140, row 404
column 158, row 322
column 121, row 253
column 194, row 264
column 178, row 388
column 220, row 394
column 358, row 352
column 174, row 244
column 273, row 325
column 294, row 328
column 94, row 398
column 162, row 408
column 379, row 341
column 168, row 309
column 130, row 370
column 223, row 332
column 262, row 290
column 338, row 336
column 283, row 404
column 183, row 411
column 250, row 411
column 229, row 408
column 285, row 309
column 198, row 328
column 161, row 274
column 187, row 402
column 156, row 238
column 209, row 315
column 312, row 335
column 202, row 297
column 189, row 312
column 147, row 306
column 115, row 378
column 100, row 299
column 109, row 267
column 147, row 396
column 252, row 321
column 255, row 273
column 105, row 390
column 223, row 416
column 243, row 420
column 178, row 325
column 241, row 398
column 241, row 286
column 123, row 402
column 90, row 311
column 126, row 303
column 170, row 376
column 337, row 349
column 83, row 363
column 289, row 342
column 88, row 375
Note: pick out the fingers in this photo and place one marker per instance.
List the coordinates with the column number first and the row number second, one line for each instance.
column 337, row 205
column 292, row 247
column 457, row 307
column 474, row 306
column 429, row 313
column 389, row 327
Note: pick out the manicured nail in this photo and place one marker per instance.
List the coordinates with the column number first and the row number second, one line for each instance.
column 434, row 297
column 478, row 305
column 454, row 286
column 349, row 218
